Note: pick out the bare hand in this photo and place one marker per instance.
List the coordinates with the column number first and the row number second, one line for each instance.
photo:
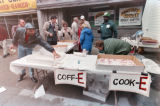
column 56, row 55
column 50, row 34
column 12, row 47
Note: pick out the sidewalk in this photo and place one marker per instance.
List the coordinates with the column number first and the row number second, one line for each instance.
column 21, row 93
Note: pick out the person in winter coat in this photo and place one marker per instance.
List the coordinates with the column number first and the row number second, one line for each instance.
column 108, row 28
column 86, row 39
column 113, row 46
column 26, row 39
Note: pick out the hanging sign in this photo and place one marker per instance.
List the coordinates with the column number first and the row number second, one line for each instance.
column 17, row 5
column 130, row 83
column 72, row 77
column 130, row 16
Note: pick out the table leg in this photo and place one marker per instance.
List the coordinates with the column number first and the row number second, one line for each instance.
column 115, row 98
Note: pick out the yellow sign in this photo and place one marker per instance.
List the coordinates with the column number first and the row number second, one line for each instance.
column 17, row 5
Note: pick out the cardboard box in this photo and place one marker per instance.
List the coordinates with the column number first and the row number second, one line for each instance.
column 71, row 41
column 138, row 67
column 55, row 46
column 60, row 48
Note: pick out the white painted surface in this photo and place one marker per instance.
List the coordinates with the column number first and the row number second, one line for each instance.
column 151, row 66
column 151, row 19
column 71, row 77
column 39, row 92
column 130, row 83
column 2, row 89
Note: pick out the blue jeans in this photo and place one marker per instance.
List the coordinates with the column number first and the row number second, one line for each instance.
column 22, row 52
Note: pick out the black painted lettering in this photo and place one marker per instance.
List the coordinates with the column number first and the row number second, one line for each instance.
column 121, row 81
column 126, row 82
column 132, row 82
column 114, row 82
column 58, row 77
column 64, row 77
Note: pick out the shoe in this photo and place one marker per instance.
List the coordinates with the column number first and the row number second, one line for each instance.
column 34, row 79
column 21, row 77
column 4, row 56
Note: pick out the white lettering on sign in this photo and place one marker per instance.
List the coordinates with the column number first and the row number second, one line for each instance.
column 131, row 83
column 72, row 77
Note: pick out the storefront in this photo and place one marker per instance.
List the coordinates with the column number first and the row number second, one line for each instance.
column 13, row 10
column 66, row 10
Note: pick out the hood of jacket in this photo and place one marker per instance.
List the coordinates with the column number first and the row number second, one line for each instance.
column 87, row 30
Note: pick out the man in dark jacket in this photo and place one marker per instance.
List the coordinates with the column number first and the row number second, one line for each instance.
column 113, row 46
column 108, row 28
column 26, row 39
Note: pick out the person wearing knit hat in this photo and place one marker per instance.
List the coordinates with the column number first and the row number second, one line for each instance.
column 26, row 39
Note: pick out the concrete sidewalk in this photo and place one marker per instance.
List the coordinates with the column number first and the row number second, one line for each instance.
column 21, row 93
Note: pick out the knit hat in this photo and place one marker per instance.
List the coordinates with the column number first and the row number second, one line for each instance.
column 106, row 14
column 29, row 26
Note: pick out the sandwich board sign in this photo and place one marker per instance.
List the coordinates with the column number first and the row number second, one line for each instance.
column 73, row 77
column 136, row 83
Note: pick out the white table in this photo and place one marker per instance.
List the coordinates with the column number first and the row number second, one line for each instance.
column 70, row 45
column 67, row 61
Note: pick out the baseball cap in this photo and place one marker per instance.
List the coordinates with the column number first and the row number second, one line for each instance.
column 82, row 17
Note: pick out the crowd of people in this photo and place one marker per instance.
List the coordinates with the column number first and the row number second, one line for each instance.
column 54, row 33
column 26, row 37
column 80, row 31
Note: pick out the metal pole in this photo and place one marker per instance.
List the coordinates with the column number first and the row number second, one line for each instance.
column 7, row 27
column 115, row 98
column 32, row 19
column 115, row 8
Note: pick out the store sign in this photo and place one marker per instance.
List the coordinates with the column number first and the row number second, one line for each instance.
column 17, row 5
column 98, row 16
column 131, row 83
column 130, row 16
column 70, row 77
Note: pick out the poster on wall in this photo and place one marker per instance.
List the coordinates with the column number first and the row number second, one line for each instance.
column 98, row 16
column 130, row 16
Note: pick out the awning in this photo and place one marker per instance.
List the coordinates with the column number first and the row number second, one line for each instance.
column 51, row 4
column 19, row 13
